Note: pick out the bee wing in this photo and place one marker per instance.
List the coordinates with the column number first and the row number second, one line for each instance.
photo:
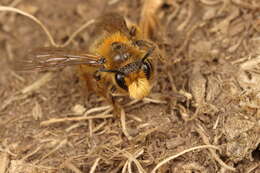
column 112, row 22
column 49, row 58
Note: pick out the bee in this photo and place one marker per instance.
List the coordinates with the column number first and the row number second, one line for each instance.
column 119, row 60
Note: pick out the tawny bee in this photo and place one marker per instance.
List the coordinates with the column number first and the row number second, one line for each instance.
column 119, row 60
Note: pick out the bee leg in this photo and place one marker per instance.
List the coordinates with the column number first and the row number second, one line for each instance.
column 86, row 84
column 116, row 106
column 111, row 100
column 148, row 45
column 105, row 92
column 143, row 44
column 133, row 31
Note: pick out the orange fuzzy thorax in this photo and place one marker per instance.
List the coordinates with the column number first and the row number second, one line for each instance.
column 104, row 49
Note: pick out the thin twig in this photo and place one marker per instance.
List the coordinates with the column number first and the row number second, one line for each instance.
column 37, row 84
column 252, row 168
column 44, row 28
column 4, row 162
column 216, row 123
column 246, row 5
column 181, row 153
column 60, row 145
column 150, row 100
column 188, row 18
column 200, row 130
column 74, row 34
column 125, row 166
column 99, row 126
column 90, row 127
column 98, row 109
column 47, row 32
column 72, row 167
column 12, row 99
column 123, row 123
column 186, row 41
column 59, row 120
column 211, row 2
column 13, row 4
column 32, row 153
column 94, row 166
column 133, row 159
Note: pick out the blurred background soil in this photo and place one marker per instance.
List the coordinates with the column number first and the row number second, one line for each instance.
column 207, row 92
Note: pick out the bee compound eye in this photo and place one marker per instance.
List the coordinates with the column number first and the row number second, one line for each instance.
column 120, row 80
column 147, row 68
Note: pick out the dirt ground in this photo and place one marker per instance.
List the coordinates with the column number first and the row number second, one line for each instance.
column 202, row 115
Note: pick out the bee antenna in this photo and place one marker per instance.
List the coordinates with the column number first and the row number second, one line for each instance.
column 110, row 71
column 148, row 53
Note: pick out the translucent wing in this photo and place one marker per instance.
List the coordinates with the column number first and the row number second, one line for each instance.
column 112, row 22
column 50, row 58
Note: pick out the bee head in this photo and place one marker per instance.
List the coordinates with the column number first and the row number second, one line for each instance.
column 135, row 81
column 135, row 77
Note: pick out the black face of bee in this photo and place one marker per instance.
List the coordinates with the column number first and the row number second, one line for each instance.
column 147, row 68
column 120, row 80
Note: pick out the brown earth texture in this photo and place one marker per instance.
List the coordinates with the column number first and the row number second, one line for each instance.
column 203, row 113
